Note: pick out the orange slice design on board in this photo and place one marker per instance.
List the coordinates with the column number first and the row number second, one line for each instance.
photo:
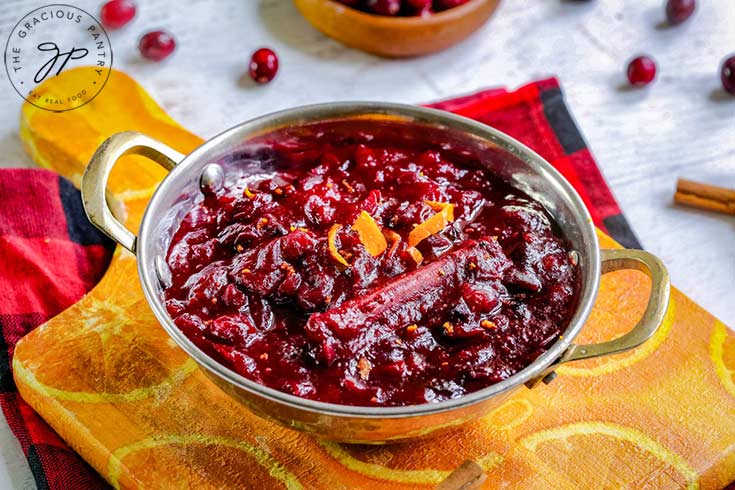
column 510, row 414
column 380, row 471
column 107, row 360
column 722, row 353
column 212, row 461
column 616, row 457
column 609, row 364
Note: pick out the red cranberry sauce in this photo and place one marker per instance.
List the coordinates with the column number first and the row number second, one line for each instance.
column 256, row 285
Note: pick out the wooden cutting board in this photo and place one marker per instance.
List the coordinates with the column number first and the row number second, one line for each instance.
column 117, row 389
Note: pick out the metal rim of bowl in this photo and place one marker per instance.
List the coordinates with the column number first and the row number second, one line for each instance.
column 590, row 257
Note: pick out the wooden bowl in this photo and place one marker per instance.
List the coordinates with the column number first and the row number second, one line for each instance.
column 396, row 37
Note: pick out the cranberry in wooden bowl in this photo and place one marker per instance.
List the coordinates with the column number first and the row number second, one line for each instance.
column 368, row 272
column 396, row 36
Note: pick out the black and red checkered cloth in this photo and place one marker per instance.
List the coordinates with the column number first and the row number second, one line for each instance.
column 50, row 255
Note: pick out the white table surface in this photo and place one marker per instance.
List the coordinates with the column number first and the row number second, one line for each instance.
column 681, row 125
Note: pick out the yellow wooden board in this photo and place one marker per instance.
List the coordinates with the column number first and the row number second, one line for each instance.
column 106, row 376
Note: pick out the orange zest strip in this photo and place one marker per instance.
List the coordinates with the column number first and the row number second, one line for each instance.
column 415, row 254
column 434, row 224
column 370, row 235
column 436, row 205
column 488, row 324
column 332, row 243
column 394, row 239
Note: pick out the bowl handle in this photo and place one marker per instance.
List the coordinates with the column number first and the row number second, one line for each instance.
column 658, row 302
column 94, row 181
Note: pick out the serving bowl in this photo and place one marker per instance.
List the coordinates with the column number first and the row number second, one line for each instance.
column 499, row 153
column 396, row 37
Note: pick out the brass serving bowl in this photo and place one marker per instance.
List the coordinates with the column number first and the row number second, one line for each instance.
column 396, row 37
column 499, row 152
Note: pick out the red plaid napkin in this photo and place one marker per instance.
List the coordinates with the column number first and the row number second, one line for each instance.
column 50, row 255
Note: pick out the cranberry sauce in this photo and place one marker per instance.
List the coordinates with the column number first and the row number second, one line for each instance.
column 369, row 268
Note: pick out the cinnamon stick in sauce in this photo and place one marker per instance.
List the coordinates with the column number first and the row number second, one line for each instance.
column 406, row 299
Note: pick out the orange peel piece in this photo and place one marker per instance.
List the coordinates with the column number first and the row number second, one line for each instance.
column 364, row 367
column 436, row 205
column 332, row 244
column 370, row 234
column 394, row 239
column 415, row 254
column 433, row 225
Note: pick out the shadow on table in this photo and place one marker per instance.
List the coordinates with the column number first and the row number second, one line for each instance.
column 719, row 95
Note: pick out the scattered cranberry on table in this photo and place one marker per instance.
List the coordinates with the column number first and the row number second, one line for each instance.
column 407, row 8
column 727, row 72
column 677, row 11
column 641, row 71
column 263, row 65
column 156, row 45
column 116, row 13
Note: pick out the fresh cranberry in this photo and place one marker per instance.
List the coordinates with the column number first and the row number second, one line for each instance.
column 263, row 65
column 156, row 45
column 116, row 13
column 727, row 72
column 641, row 71
column 403, row 7
column 448, row 4
column 677, row 11
column 419, row 7
column 383, row 7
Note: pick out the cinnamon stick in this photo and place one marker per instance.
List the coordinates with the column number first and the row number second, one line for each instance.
column 404, row 300
column 468, row 476
column 705, row 196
